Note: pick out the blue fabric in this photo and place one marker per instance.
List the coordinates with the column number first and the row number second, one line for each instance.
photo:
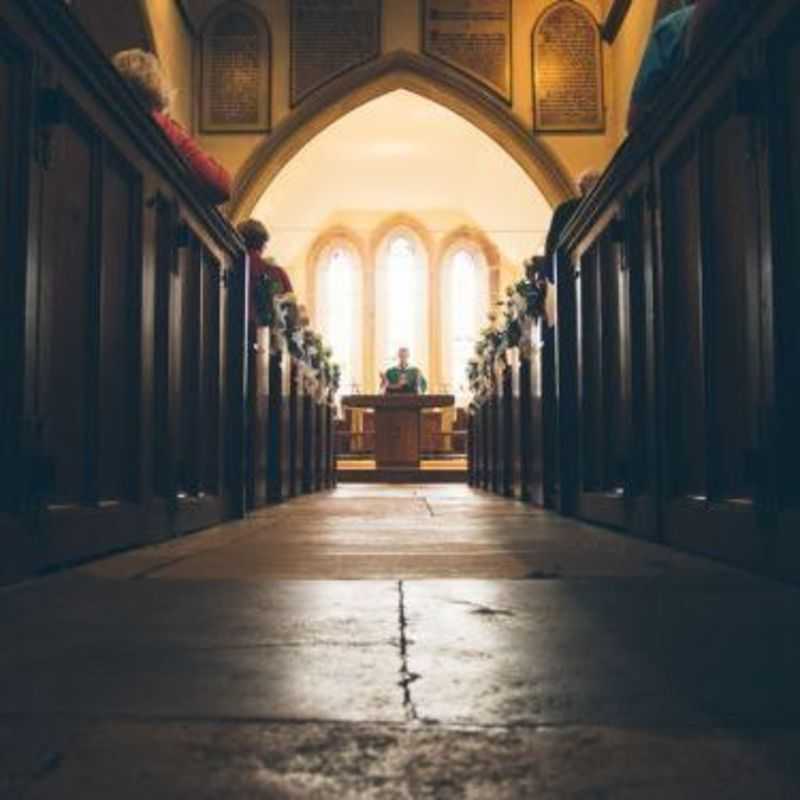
column 663, row 57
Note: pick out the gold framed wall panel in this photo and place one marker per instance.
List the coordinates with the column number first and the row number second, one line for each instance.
column 328, row 40
column 235, row 72
column 567, row 71
column 474, row 37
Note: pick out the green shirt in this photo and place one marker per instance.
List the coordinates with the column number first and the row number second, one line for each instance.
column 415, row 380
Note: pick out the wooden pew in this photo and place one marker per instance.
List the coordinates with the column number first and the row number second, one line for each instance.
column 280, row 439
column 508, row 443
column 321, row 425
column 123, row 313
column 479, row 446
column 484, row 462
column 520, row 425
column 310, row 435
column 677, row 286
column 495, row 443
column 471, row 451
column 258, row 441
column 544, row 472
column 296, row 430
column 331, row 443
column 534, row 427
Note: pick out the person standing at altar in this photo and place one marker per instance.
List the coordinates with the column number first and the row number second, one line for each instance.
column 403, row 379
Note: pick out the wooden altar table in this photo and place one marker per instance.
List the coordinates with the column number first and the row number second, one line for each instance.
column 398, row 425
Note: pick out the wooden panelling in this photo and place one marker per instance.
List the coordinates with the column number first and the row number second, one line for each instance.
column 116, row 325
column 320, row 445
column 640, row 320
column 593, row 423
column 783, row 201
column 213, row 373
column 733, row 297
column 188, row 334
column 518, row 479
column 331, row 480
column 309, row 445
column 279, row 464
column 495, row 449
column 166, row 263
column 616, row 400
column 7, row 450
column 69, row 256
column 119, row 339
column 296, row 431
column 678, row 348
column 685, row 374
column 568, row 358
column 784, row 164
column 544, row 375
column 258, row 443
column 14, row 192
column 485, row 445
column 534, row 425
column 508, row 434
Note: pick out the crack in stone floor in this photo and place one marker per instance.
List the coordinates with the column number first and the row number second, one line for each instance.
column 407, row 677
column 366, row 645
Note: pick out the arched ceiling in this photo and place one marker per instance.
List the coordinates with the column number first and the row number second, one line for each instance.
column 404, row 153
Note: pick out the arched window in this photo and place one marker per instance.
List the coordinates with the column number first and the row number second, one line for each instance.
column 402, row 299
column 465, row 304
column 235, row 71
column 339, row 304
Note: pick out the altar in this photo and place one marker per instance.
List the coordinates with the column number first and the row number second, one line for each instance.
column 398, row 425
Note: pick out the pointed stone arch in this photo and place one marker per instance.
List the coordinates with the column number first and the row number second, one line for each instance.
column 417, row 74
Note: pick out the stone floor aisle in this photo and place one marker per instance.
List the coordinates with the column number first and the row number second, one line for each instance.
column 400, row 642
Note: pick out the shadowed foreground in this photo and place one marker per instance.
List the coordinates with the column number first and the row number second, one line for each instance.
column 319, row 650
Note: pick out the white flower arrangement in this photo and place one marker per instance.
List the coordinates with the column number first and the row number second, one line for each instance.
column 526, row 302
column 317, row 374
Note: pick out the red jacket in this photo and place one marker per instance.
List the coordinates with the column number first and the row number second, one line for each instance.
column 213, row 178
column 259, row 267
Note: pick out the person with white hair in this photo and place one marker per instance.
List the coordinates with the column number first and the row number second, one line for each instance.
column 145, row 78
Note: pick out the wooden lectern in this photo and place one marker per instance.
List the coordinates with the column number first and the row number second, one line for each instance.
column 398, row 425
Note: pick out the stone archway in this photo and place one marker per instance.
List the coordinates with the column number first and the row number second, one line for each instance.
column 414, row 73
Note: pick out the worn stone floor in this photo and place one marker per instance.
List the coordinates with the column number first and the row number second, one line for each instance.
column 400, row 642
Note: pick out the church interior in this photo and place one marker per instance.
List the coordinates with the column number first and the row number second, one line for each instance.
column 400, row 399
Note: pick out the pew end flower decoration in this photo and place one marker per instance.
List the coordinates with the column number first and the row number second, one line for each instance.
column 525, row 303
column 265, row 291
column 317, row 375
